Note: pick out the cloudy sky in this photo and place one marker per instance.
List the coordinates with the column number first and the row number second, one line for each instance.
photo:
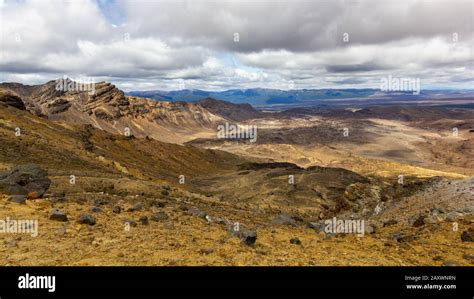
column 217, row 45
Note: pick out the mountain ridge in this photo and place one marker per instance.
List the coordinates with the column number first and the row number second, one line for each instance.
column 267, row 96
column 108, row 108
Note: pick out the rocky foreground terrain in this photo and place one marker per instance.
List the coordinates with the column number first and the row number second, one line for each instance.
column 105, row 197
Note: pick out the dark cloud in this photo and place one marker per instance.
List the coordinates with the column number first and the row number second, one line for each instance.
column 350, row 81
column 366, row 67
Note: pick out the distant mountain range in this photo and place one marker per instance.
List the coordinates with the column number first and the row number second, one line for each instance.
column 267, row 97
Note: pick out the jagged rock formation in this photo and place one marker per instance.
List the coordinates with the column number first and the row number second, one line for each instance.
column 10, row 99
column 106, row 107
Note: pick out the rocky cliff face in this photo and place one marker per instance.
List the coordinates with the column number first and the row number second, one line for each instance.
column 10, row 99
column 106, row 107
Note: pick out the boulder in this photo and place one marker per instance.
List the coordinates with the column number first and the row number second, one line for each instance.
column 196, row 212
column 284, row 219
column 317, row 226
column 436, row 211
column 143, row 220
column 99, row 202
column 57, row 196
column 454, row 216
column 58, row 215
column 96, row 210
column 418, row 221
column 468, row 235
column 86, row 219
column 469, row 257
column 117, row 209
column 248, row 237
column 160, row 216
column 136, row 207
column 24, row 179
column 295, row 241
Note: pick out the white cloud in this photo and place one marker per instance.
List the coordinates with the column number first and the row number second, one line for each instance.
column 148, row 45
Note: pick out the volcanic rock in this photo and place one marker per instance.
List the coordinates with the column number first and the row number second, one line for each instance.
column 24, row 179
column 295, row 241
column 117, row 209
column 86, row 219
column 143, row 220
column 160, row 216
column 284, row 219
column 468, row 235
column 58, row 215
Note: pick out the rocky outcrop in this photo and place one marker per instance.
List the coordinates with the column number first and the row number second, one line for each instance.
column 105, row 106
column 468, row 235
column 25, row 179
column 11, row 99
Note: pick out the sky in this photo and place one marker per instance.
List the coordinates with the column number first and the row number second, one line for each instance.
column 219, row 45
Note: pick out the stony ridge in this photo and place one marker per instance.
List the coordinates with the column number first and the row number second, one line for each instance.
column 109, row 109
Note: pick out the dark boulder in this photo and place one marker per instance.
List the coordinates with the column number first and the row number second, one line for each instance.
column 96, row 210
column 468, row 235
column 24, row 179
column 295, row 241
column 248, row 237
column 58, row 215
column 419, row 221
column 143, row 220
column 86, row 219
column 117, row 209
column 317, row 226
column 99, row 202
